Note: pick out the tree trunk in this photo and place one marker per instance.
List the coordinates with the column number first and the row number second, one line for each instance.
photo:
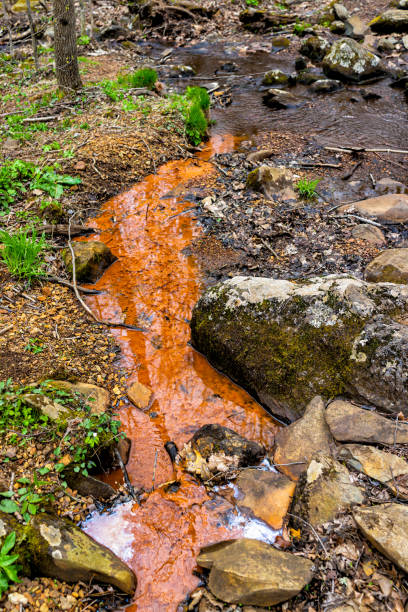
column 66, row 61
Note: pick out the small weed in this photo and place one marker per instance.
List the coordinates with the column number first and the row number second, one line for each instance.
column 307, row 188
column 8, row 565
column 85, row 126
column 115, row 90
column 252, row 2
column 300, row 26
column 196, row 124
column 21, row 253
column 25, row 500
column 34, row 346
column 83, row 40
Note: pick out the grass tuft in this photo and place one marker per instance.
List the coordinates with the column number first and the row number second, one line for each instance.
column 307, row 188
column 21, row 253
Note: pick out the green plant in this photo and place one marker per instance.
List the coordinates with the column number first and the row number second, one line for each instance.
column 300, row 26
column 25, row 500
column 34, row 346
column 252, row 2
column 196, row 124
column 21, row 253
column 199, row 95
column 307, row 188
column 83, row 40
column 8, row 566
column 144, row 77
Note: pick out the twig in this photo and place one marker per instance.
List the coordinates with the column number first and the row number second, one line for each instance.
column 364, row 220
column 42, row 119
column 6, row 329
column 179, row 9
column 323, row 165
column 372, row 180
column 186, row 210
column 364, row 150
column 151, row 155
column 312, row 528
column 391, row 161
column 128, row 484
column 96, row 169
column 154, row 469
column 268, row 246
column 62, row 281
column 218, row 167
column 347, row 176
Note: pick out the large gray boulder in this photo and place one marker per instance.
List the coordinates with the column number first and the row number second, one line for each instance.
column 393, row 20
column 288, row 341
column 349, row 61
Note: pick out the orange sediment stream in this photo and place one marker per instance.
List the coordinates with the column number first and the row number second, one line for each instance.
column 155, row 286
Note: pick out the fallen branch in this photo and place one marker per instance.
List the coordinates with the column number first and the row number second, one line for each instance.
column 42, row 119
column 179, row 9
column 65, row 283
column 363, row 219
column 317, row 165
column 128, row 484
column 364, row 150
column 6, row 329
column 348, row 176
column 63, row 230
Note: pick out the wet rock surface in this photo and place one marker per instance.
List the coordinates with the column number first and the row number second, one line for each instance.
column 393, row 20
column 296, row 444
column 91, row 259
column 350, row 423
column 375, row 463
column 252, row 572
column 391, row 208
column 330, row 330
column 326, row 490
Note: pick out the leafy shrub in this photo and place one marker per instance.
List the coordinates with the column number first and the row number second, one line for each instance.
column 83, row 40
column 144, row 77
column 199, row 95
column 21, row 253
column 15, row 176
column 252, row 2
column 195, row 124
column 307, row 189
column 300, row 26
column 8, row 566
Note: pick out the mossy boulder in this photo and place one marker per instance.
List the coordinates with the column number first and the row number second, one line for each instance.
column 260, row 19
column 275, row 77
column 91, row 260
column 315, row 48
column 286, row 342
column 394, row 20
column 349, row 61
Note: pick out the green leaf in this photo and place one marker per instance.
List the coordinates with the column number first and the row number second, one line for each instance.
column 7, row 493
column 8, row 543
column 8, row 505
column 11, row 573
column 32, row 508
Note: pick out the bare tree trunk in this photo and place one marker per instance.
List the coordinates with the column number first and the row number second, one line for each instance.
column 91, row 20
column 66, row 61
column 5, row 13
column 82, row 16
column 33, row 38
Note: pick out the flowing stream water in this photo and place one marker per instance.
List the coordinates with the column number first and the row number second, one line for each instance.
column 155, row 285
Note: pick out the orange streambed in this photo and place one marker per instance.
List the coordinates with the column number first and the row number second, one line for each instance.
column 154, row 285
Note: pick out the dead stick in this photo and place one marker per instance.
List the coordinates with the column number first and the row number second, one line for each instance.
column 65, row 283
column 42, row 119
column 128, row 484
column 6, row 329
column 312, row 528
column 364, row 150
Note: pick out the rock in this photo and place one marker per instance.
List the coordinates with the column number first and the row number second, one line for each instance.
column 323, row 86
column 97, row 398
column 17, row 599
column 300, row 63
column 91, row 260
column 393, row 20
column 387, row 185
column 139, row 395
column 307, row 77
column 341, row 12
column 267, row 494
column 349, row 423
column 251, row 572
column 215, row 448
column 275, row 77
column 375, row 463
column 390, row 266
column 386, row 527
column 124, row 446
column 61, row 550
column 277, row 98
column 21, row 6
column 405, row 41
column 87, row 486
column 325, row 491
column 387, row 44
column 288, row 341
column 301, row 440
column 315, row 48
column 403, row 4
column 349, row 61
column 261, row 20
column 53, row 410
column 281, row 42
column 391, row 208
column 355, row 27
column 271, row 181
column 182, row 71
column 369, row 233
column 338, row 27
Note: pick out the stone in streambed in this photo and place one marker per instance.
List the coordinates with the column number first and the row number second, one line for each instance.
column 91, row 260
column 287, row 341
column 349, row 61
column 217, row 449
column 323, row 86
column 315, row 48
column 88, row 486
column 297, row 443
column 393, row 20
column 61, row 550
column 341, row 12
column 139, row 395
column 267, row 494
column 390, row 266
column 391, row 208
column 272, row 181
column 386, row 527
column 278, row 98
column 375, row 463
column 252, row 572
column 325, row 490
column 355, row 27
column 349, row 423
column 275, row 77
